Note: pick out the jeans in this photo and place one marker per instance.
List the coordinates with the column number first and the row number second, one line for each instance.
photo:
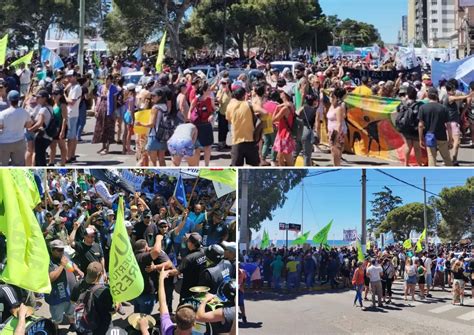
column 81, row 123
column 359, row 289
column 310, row 279
column 268, row 140
column 305, row 145
column 276, row 282
column 41, row 144
column 292, row 280
column 387, row 287
column 144, row 303
column 223, row 128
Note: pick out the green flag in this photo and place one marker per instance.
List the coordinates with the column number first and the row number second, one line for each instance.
column 265, row 241
column 368, row 245
column 360, row 252
column 407, row 244
column 126, row 280
column 224, row 176
column 25, row 181
column 96, row 59
column 302, row 239
column 27, row 254
column 322, row 236
column 3, row 49
column 347, row 48
column 420, row 239
column 26, row 59
column 161, row 54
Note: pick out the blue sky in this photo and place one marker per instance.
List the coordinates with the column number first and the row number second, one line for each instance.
column 385, row 15
column 337, row 195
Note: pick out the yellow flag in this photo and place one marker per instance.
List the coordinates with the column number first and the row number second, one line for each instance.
column 25, row 181
column 360, row 253
column 26, row 59
column 126, row 280
column 368, row 245
column 27, row 255
column 3, row 49
column 224, row 176
column 407, row 244
column 161, row 54
column 420, row 239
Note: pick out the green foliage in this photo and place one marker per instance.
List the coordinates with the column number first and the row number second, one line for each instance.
column 385, row 201
column 267, row 192
column 27, row 21
column 352, row 32
column 455, row 205
column 403, row 219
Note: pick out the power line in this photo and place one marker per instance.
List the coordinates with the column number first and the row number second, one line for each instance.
column 318, row 173
column 405, row 182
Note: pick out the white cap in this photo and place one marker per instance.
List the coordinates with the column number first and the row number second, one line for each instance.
column 287, row 89
column 128, row 224
column 130, row 87
column 55, row 202
column 187, row 71
column 70, row 73
column 285, row 70
column 201, row 74
column 110, row 212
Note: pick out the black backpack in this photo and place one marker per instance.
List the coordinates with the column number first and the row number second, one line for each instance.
column 257, row 125
column 85, row 314
column 407, row 118
column 52, row 129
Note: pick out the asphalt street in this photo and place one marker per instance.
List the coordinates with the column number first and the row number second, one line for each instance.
column 87, row 155
column 332, row 312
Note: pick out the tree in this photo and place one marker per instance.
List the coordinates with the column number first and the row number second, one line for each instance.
column 358, row 34
column 267, row 192
column 383, row 204
column 27, row 21
column 403, row 219
column 455, row 205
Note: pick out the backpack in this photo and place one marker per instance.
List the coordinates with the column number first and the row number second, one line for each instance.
column 407, row 120
column 85, row 314
column 200, row 114
column 296, row 127
column 52, row 129
column 166, row 127
column 257, row 125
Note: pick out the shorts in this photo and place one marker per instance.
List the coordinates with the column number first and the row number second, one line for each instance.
column 205, row 134
column 181, row 147
column 455, row 128
column 30, row 136
column 155, row 145
column 411, row 280
column 120, row 111
column 72, row 128
column 58, row 311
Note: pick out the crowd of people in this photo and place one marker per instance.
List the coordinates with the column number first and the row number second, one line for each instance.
column 273, row 116
column 300, row 270
column 177, row 248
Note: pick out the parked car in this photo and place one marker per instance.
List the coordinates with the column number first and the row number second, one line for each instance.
column 281, row 65
column 209, row 71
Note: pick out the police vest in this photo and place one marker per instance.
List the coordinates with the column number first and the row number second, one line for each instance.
column 219, row 273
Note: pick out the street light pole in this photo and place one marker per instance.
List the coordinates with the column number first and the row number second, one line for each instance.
column 225, row 30
column 363, row 239
column 82, row 23
column 425, row 214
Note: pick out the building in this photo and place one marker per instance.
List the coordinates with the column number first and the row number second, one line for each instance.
column 403, row 32
column 421, row 21
column 465, row 27
column 411, row 21
column 441, row 23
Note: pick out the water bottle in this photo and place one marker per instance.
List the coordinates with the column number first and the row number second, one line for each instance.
column 69, row 267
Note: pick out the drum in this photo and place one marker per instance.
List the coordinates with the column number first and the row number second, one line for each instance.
column 35, row 325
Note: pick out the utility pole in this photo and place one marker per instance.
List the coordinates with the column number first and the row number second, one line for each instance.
column 82, row 23
column 363, row 239
column 225, row 30
column 425, row 214
column 302, row 202
column 243, row 205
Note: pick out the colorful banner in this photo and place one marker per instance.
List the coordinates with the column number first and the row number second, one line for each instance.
column 126, row 280
column 371, row 130
column 132, row 179
column 161, row 54
column 3, row 49
column 27, row 254
column 26, row 59
column 54, row 60
column 349, row 235
column 104, row 193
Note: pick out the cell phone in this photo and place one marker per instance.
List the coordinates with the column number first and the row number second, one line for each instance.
column 81, row 218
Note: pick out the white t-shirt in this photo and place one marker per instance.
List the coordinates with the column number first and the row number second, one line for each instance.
column 14, row 120
column 374, row 272
column 25, row 76
column 75, row 93
column 428, row 262
column 46, row 115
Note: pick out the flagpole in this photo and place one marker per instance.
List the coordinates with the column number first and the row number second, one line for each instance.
column 82, row 19
column 192, row 192
column 425, row 214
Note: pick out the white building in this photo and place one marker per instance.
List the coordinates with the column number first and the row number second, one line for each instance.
column 441, row 17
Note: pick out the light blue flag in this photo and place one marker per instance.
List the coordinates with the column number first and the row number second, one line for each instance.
column 180, row 193
column 48, row 55
column 461, row 70
column 138, row 54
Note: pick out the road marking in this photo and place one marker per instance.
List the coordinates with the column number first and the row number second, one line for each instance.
column 443, row 309
column 467, row 317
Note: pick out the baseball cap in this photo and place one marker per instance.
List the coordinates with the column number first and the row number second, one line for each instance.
column 188, row 71
column 93, row 271
column 133, row 208
column 90, row 231
column 158, row 92
column 60, row 219
column 346, row 78
column 432, row 91
column 130, row 87
column 57, row 244
column 403, row 89
column 193, row 237
column 163, row 223
column 70, row 73
column 230, row 246
column 287, row 90
column 128, row 224
column 56, row 203
column 42, row 94
column 13, row 96
column 110, row 212
column 425, row 77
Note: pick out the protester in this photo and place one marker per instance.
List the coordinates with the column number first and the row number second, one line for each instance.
column 337, row 128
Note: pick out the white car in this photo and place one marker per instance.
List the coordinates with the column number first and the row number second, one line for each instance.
column 134, row 78
column 281, row 65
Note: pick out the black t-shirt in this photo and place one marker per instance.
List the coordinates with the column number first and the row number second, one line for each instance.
column 103, row 304
column 453, row 110
column 434, row 116
column 8, row 301
column 150, row 279
column 139, row 230
column 86, row 254
column 150, row 234
column 214, row 233
column 191, row 266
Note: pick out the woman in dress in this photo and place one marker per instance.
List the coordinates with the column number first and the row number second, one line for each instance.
column 105, row 118
column 60, row 114
column 285, row 145
column 337, row 128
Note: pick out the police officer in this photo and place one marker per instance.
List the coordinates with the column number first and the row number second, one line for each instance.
column 218, row 270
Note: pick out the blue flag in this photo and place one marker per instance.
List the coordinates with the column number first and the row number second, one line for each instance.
column 48, row 55
column 138, row 54
column 180, row 193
